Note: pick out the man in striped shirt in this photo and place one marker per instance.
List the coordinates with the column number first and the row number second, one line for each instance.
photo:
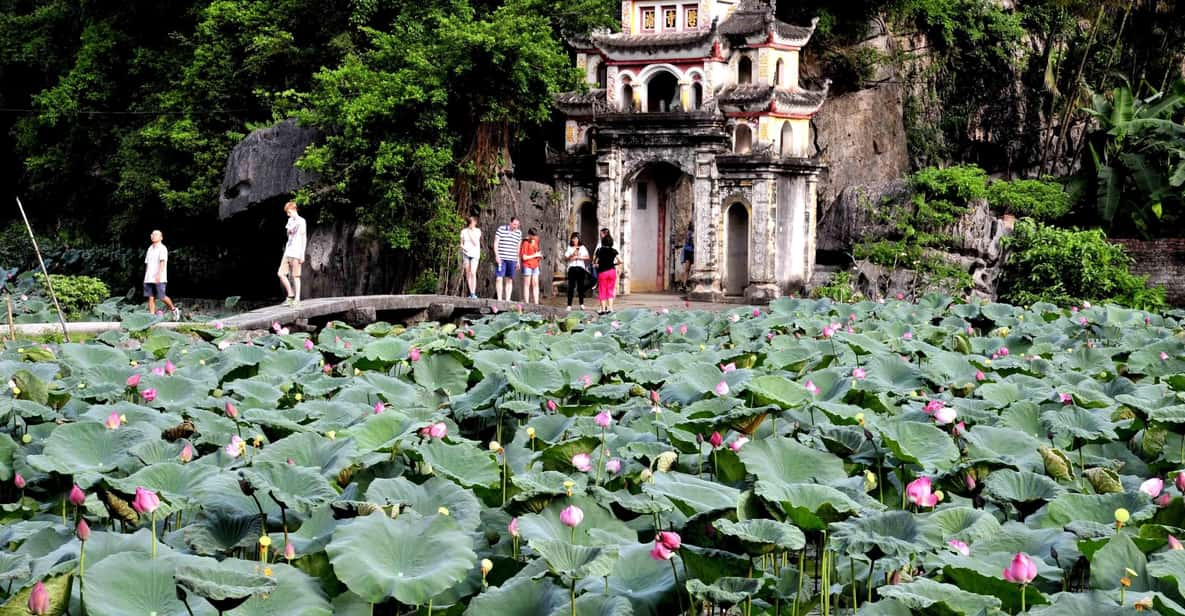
column 506, row 243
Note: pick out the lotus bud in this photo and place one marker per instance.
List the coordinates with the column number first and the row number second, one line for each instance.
column 1103, row 480
column 811, row 387
column 572, row 516
column 1066, row 399
column 613, row 466
column 378, row 408
column 231, row 411
column 683, row 330
column 736, row 445
column 654, row 396
column 146, row 501
column 716, row 440
column 186, row 453
column 148, row 394
column 438, row 430
column 1175, row 544
column 1057, row 464
column 513, row 527
column 665, row 461
column 979, row 375
column 83, row 530
column 551, row 406
column 308, row 345
column 18, row 481
column 907, row 336
column 959, row 547
column 112, row 421
column 1152, row 487
column 77, row 496
column 413, row 354
column 169, row 367
column 1163, row 500
column 133, row 381
column 669, row 539
column 722, row 388
column 38, row 600
column 603, row 419
column 1021, row 570
column 582, row 462
column 969, row 481
column 859, row 374
column 1164, row 356
column 1179, row 481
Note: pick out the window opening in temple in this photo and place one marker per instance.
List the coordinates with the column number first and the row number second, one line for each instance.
column 780, row 73
column 788, row 147
column 661, row 91
column 744, row 140
column 697, row 95
column 745, row 70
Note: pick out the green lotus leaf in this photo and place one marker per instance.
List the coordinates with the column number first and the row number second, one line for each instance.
column 131, row 583
column 428, row 498
column 1111, row 563
column 692, row 494
column 32, row 387
column 726, row 590
column 1094, row 603
column 525, row 596
column 215, row 532
column 327, row 457
column 8, row 449
column 298, row 487
column 921, row 443
column 536, row 378
column 600, row 526
column 85, row 447
column 595, row 604
column 545, row 483
column 463, row 463
column 1003, row 446
column 289, row 365
column 575, row 561
column 786, row 460
column 441, row 371
column 763, row 536
column 411, row 558
column 963, row 523
column 923, row 594
column 779, row 391
column 87, row 356
column 175, row 482
column 256, row 393
column 58, row 588
column 1095, row 508
column 891, row 373
column 1080, row 423
column 296, row 593
column 13, row 567
column 1021, row 487
column 646, row 583
column 896, row 535
column 1168, row 567
column 981, row 574
column 224, row 588
column 380, row 431
column 809, row 506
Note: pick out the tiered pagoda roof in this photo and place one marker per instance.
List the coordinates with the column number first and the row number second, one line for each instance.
column 759, row 97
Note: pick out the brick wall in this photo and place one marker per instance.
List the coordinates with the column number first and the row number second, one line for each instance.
column 1163, row 261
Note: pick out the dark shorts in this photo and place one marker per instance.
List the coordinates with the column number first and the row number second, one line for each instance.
column 155, row 289
column 505, row 268
column 688, row 256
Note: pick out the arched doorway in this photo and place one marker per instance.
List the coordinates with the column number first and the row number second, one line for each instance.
column 588, row 224
column 658, row 196
column 627, row 96
column 602, row 75
column 788, row 146
column 736, row 276
column 780, row 73
column 745, row 70
column 697, row 96
column 662, row 92
column 744, row 140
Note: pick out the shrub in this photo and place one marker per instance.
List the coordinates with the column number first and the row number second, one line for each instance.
column 838, row 289
column 1068, row 266
column 76, row 294
column 942, row 195
column 1044, row 200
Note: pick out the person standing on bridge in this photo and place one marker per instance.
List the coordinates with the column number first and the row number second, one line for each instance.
column 506, row 243
column 470, row 254
column 293, row 257
column 532, row 256
column 156, row 275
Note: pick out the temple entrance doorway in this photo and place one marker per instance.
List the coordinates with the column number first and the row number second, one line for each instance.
column 588, row 225
column 736, row 248
column 659, row 201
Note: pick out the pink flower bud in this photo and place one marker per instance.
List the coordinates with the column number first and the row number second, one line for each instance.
column 969, row 481
column 77, row 496
column 308, row 345
column 327, row 369
column 378, row 407
column 654, row 396
column 83, row 530
column 413, row 354
column 1175, row 544
column 572, row 516
column 148, row 394
column 438, row 430
column 729, row 367
column 811, row 387
column 1066, row 399
column 112, row 421
column 859, row 374
column 582, row 462
column 756, row 312
column 134, row 381
column 18, row 481
column 146, row 501
column 1163, row 500
column 231, row 411
column 738, row 443
column 551, row 405
column 670, row 540
column 722, row 388
column 170, row 368
column 1179, row 481
column 661, row 552
column 613, row 466
column 682, row 330
column 716, row 440
column 603, row 419
column 586, row 380
column 512, row 528
column 39, row 600
column 186, row 453
column 1152, row 487
column 289, row 551
column 979, row 375
column 959, row 547
column 1164, row 356
column 959, row 429
column 1021, row 570
column 670, row 330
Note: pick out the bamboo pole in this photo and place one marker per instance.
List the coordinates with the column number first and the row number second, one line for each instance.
column 48, row 282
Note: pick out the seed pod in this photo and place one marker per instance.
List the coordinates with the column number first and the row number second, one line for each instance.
column 1057, row 464
column 1104, row 480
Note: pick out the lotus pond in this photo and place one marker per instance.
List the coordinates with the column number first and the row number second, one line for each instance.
column 809, row 457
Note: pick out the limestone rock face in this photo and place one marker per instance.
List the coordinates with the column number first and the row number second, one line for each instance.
column 261, row 167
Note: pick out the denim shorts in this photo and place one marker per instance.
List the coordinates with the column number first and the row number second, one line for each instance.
column 155, row 289
column 530, row 271
column 506, row 268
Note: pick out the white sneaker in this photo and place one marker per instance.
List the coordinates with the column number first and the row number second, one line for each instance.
column 582, row 307
column 568, row 309
column 176, row 314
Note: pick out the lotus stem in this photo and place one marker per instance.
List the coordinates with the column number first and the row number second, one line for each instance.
column 801, row 565
column 153, row 522
column 1024, row 588
column 64, row 522
column 505, row 472
column 81, row 562
column 572, row 596
column 852, row 567
column 678, row 597
column 600, row 463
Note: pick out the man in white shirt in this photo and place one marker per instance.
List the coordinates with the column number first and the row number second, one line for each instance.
column 293, row 254
column 507, row 240
column 156, row 275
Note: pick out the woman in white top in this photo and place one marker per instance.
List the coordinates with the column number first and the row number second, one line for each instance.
column 577, row 257
column 471, row 254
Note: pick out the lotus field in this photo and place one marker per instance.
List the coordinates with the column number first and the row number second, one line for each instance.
column 809, row 457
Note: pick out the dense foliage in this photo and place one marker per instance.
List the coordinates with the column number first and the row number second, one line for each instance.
column 925, row 458
column 1044, row 200
column 1068, row 266
column 77, row 295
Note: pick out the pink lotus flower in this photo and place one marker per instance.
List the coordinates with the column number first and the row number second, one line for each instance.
column 603, row 419
column 738, row 443
column 586, row 380
column 722, row 388
column 1083, row 322
column 18, row 481
column 1066, row 399
column 654, row 396
column 158, row 371
column 944, row 415
column 1164, row 356
column 38, row 600
column 932, row 406
column 729, row 367
column 218, row 325
column 979, row 375
column 811, row 387
column 615, row 324
column 438, row 430
column 327, row 369
column 1175, row 544
column 231, row 411
column 1163, row 500
column 582, row 462
column 969, row 481
column 146, row 501
column 959, row 547
column 148, row 394
column 571, row 516
column 900, row 296
column 289, row 551
column 83, row 530
column 670, row 330
column 669, row 539
column 756, row 312
column 919, row 492
column 378, row 407
column 1073, row 309
column 413, row 354
column 1152, row 487
column 186, row 453
column 859, row 374
column 170, row 368
column 235, row 447
column 959, row 429
column 1003, row 352
column 661, row 552
column 613, row 466
column 1179, row 481
column 683, row 330
column 512, row 528
column 134, row 381
column 113, row 421
column 276, row 326
column 716, row 440
column 308, row 345
column 1022, row 570
column 77, row 496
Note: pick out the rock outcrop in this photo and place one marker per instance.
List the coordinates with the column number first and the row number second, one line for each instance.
column 261, row 168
